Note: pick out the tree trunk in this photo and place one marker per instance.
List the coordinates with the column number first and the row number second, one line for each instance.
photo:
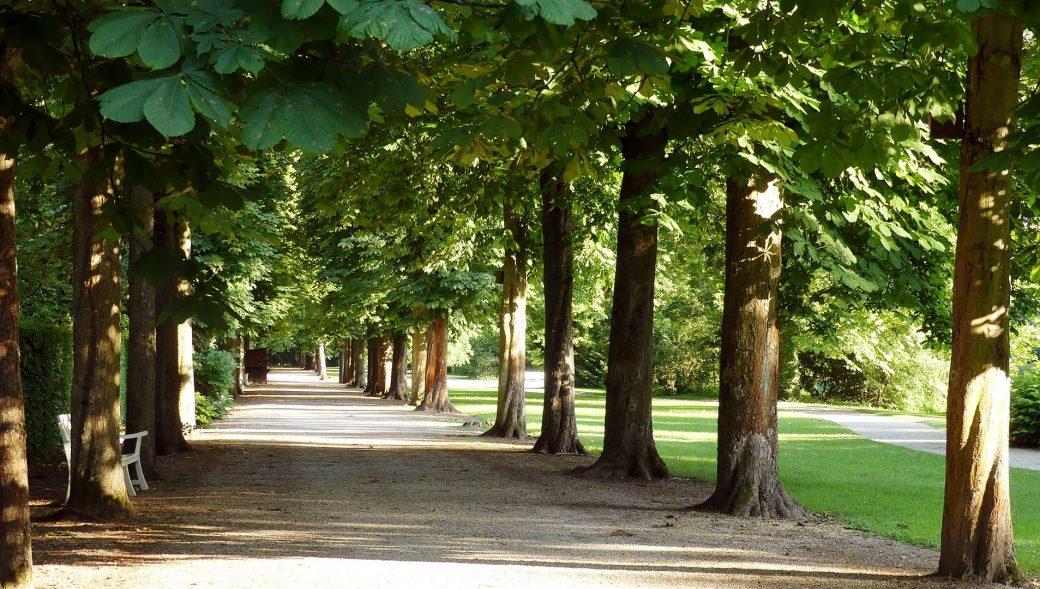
column 976, row 532
column 418, row 365
column 748, row 480
column 323, row 365
column 240, row 363
column 435, row 395
column 345, row 369
column 308, row 361
column 510, row 421
column 628, row 441
column 140, row 358
column 172, row 384
column 97, row 490
column 559, row 423
column 370, row 368
column 357, row 351
column 15, row 544
column 379, row 371
column 399, row 369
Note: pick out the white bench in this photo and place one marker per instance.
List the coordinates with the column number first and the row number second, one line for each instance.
column 133, row 458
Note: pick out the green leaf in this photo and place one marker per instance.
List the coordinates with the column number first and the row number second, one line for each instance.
column 200, row 87
column 125, row 104
column 301, row 9
column 119, row 33
column 168, row 109
column 235, row 57
column 160, row 45
column 263, row 127
column 402, row 24
column 564, row 12
column 344, row 6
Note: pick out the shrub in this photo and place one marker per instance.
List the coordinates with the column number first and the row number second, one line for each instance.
column 1025, row 407
column 46, row 351
column 214, row 379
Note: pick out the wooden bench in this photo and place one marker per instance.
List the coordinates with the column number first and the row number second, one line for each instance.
column 132, row 458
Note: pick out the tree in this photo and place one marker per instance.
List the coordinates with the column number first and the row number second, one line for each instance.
column 174, row 377
column 510, row 421
column 748, row 482
column 435, row 395
column 322, row 368
column 559, row 433
column 418, row 365
column 357, row 350
column 628, row 442
column 140, row 362
column 398, row 390
column 15, row 541
column 96, row 489
column 977, row 540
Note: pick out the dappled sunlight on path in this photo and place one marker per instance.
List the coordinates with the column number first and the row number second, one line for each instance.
column 312, row 484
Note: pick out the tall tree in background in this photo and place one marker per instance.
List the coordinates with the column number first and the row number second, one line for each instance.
column 323, row 364
column 976, row 534
column 435, row 396
column 510, row 421
column 140, row 357
column 398, row 390
column 357, row 351
column 748, row 482
column 628, row 442
column 96, row 490
column 15, row 543
column 174, row 381
column 418, row 364
column 559, row 433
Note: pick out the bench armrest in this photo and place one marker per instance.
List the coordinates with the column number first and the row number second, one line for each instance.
column 137, row 440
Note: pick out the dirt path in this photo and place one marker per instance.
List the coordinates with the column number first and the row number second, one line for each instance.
column 312, row 485
column 901, row 432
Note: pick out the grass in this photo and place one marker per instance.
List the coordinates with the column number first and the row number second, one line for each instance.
column 884, row 489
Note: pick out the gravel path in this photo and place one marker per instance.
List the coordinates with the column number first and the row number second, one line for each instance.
column 311, row 485
column 902, row 432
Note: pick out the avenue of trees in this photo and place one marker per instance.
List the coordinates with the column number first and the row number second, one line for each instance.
column 835, row 188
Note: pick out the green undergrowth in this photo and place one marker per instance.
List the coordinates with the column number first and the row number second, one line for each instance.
column 884, row 489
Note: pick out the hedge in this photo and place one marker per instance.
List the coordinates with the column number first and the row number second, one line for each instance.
column 46, row 383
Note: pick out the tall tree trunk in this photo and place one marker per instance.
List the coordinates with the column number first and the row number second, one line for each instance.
column 628, row 441
column 510, row 421
column 357, row 351
column 435, row 396
column 345, row 369
column 976, row 532
column 559, row 423
column 418, row 365
column 97, row 490
column 323, row 365
column 748, row 482
column 171, row 383
column 140, row 358
column 240, row 363
column 399, row 369
column 373, row 358
column 15, row 544
column 379, row 375
column 308, row 361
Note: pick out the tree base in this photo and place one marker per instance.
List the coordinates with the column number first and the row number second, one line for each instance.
column 107, row 511
column 507, row 432
column 570, row 447
column 642, row 466
column 1008, row 574
column 773, row 503
column 446, row 407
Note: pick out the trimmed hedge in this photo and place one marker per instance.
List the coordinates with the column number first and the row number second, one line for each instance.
column 46, row 351
column 1025, row 407
column 214, row 379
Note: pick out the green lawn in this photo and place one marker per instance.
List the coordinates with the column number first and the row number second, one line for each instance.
column 891, row 491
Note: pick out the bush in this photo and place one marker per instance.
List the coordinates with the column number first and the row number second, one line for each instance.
column 483, row 357
column 214, row 380
column 46, row 351
column 1025, row 407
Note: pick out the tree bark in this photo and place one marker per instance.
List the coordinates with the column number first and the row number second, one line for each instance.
column 435, row 395
column 174, row 379
column 240, row 346
column 399, row 369
column 15, row 543
column 357, row 351
column 748, row 482
column 345, row 369
column 628, row 441
column 370, row 368
column 323, row 365
column 510, row 420
column 379, row 371
column 976, row 533
column 559, row 422
column 97, row 490
column 418, row 365
column 140, row 358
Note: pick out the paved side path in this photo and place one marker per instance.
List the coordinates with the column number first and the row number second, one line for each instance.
column 902, row 432
column 310, row 484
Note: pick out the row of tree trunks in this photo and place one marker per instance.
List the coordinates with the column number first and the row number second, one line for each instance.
column 510, row 421
column 175, row 383
column 345, row 369
column 559, row 433
column 398, row 390
column 628, row 442
column 418, row 365
column 97, row 490
column 15, row 544
column 435, row 393
column 141, row 360
column 976, row 531
column 323, row 365
column 748, row 482
column 357, row 354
